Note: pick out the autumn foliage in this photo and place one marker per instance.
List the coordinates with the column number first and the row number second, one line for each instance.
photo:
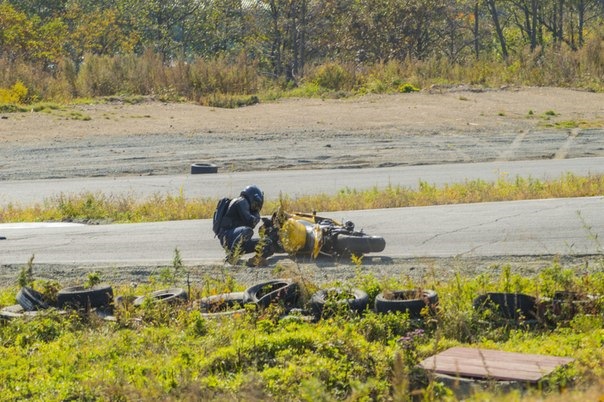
column 188, row 49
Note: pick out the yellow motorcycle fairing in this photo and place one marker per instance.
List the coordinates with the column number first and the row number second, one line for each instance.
column 292, row 235
column 313, row 218
column 318, row 241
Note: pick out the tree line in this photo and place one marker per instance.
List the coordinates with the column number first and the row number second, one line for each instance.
column 283, row 38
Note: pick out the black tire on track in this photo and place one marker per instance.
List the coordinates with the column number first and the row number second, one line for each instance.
column 79, row 297
column 357, row 300
column 170, row 296
column 359, row 244
column 30, row 299
column 406, row 301
column 203, row 168
column 278, row 290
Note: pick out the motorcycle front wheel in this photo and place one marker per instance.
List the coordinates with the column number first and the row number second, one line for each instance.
column 363, row 244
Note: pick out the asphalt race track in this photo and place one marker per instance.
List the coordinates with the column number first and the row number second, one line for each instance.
column 295, row 182
column 523, row 228
column 572, row 226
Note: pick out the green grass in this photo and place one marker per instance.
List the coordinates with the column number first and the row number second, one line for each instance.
column 106, row 208
column 74, row 115
column 158, row 352
column 229, row 101
column 12, row 108
column 570, row 124
column 46, row 107
column 43, row 107
column 62, row 111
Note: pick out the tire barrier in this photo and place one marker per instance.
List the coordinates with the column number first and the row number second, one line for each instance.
column 80, row 297
column 168, row 296
column 222, row 305
column 31, row 300
column 282, row 291
column 355, row 300
column 416, row 303
column 496, row 307
column 516, row 307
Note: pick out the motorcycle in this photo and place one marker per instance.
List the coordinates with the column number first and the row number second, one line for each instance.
column 301, row 233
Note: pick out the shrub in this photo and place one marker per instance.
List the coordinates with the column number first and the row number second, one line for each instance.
column 15, row 94
column 98, row 76
column 332, row 76
column 223, row 76
column 406, row 88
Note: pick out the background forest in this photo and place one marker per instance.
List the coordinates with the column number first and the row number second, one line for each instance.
column 207, row 50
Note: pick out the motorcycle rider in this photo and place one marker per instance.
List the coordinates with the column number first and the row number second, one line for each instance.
column 237, row 228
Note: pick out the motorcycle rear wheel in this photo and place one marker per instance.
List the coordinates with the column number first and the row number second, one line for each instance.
column 347, row 244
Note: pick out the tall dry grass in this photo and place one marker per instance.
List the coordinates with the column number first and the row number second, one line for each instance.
column 101, row 207
column 202, row 80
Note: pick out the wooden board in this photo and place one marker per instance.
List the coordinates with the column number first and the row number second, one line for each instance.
column 493, row 364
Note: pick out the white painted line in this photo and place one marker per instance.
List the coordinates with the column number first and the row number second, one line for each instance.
column 38, row 225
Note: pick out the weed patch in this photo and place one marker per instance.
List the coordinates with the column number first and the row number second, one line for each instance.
column 102, row 208
column 12, row 108
column 228, row 101
column 159, row 351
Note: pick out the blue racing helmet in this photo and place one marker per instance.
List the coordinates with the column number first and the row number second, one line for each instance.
column 255, row 196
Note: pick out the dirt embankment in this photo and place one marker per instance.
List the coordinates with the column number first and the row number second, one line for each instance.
column 436, row 126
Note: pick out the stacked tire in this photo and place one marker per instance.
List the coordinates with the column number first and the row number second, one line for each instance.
column 222, row 305
column 80, row 297
column 283, row 291
column 416, row 303
column 31, row 300
column 515, row 307
column 327, row 302
column 167, row 296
